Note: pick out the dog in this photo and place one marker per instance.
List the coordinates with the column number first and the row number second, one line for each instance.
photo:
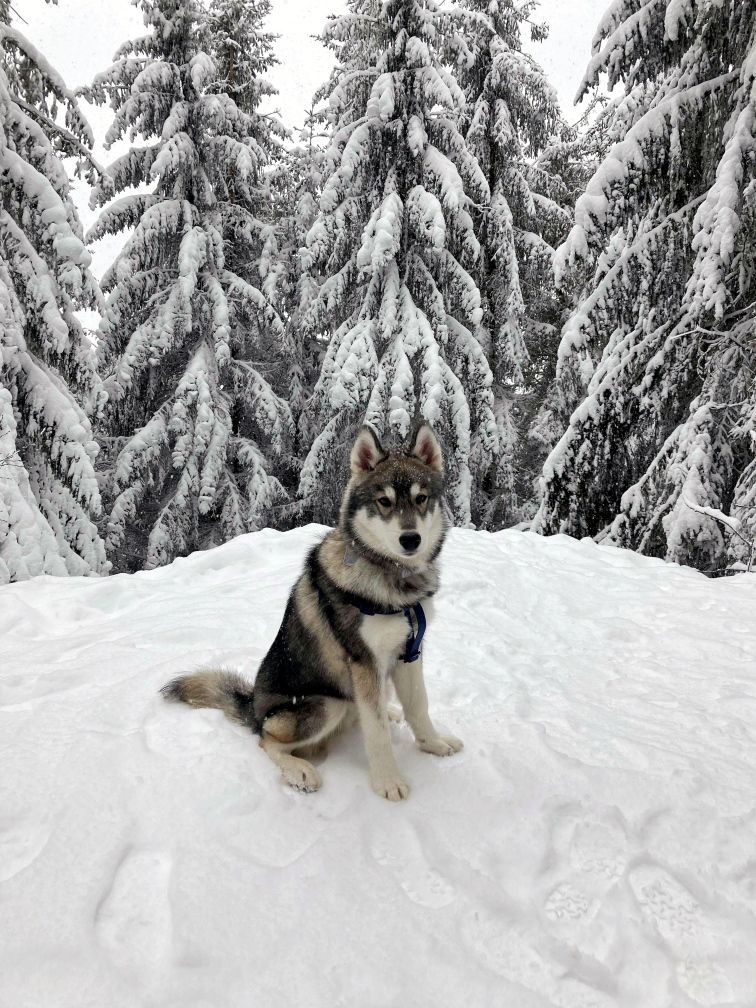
column 353, row 623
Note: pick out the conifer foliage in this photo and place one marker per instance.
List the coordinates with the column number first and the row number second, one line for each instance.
column 295, row 189
column 511, row 121
column 189, row 336
column 658, row 359
column 396, row 242
column 49, row 496
column 243, row 52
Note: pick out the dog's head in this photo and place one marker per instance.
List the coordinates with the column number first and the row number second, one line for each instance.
column 393, row 503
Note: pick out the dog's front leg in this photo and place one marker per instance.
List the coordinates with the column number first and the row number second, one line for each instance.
column 410, row 688
column 370, row 699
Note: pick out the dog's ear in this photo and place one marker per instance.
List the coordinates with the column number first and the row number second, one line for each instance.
column 425, row 446
column 366, row 451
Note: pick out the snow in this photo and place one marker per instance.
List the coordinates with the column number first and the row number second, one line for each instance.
column 591, row 846
column 717, row 221
column 381, row 102
column 629, row 155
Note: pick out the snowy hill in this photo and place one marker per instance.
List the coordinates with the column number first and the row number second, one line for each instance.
column 593, row 845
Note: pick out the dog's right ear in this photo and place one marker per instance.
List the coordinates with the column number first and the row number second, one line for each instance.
column 367, row 452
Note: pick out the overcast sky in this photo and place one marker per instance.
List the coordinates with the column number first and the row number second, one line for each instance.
column 79, row 38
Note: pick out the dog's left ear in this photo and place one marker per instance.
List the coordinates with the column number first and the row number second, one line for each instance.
column 425, row 446
column 367, row 451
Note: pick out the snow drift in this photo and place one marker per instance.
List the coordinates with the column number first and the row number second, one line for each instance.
column 592, row 846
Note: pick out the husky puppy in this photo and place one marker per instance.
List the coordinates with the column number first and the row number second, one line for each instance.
column 353, row 623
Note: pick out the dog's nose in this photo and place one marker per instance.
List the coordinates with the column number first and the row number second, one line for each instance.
column 409, row 541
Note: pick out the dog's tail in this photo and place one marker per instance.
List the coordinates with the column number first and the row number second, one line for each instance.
column 220, row 688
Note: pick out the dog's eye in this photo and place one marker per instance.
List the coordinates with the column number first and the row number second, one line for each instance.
column 384, row 502
column 421, row 498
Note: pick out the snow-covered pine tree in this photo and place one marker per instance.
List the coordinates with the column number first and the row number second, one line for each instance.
column 49, row 496
column 295, row 186
column 569, row 162
column 512, row 125
column 658, row 359
column 396, row 241
column 189, row 338
column 243, row 53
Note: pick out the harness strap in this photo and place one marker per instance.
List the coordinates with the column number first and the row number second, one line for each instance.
column 415, row 637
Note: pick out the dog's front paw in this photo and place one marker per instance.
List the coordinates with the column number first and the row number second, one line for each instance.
column 393, row 788
column 441, row 745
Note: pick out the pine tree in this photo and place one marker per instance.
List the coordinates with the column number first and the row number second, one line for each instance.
column 243, row 53
column 295, row 188
column 396, row 242
column 49, row 497
column 657, row 361
column 570, row 162
column 189, row 337
column 511, row 125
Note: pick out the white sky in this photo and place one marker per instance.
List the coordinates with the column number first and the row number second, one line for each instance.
column 79, row 38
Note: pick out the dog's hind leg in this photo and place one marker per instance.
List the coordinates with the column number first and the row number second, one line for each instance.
column 303, row 725
column 296, row 772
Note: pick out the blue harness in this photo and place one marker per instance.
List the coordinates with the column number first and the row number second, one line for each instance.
column 415, row 637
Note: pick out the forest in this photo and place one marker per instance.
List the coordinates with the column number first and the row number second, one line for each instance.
column 572, row 307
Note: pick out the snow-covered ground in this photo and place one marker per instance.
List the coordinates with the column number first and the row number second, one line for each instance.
column 593, row 845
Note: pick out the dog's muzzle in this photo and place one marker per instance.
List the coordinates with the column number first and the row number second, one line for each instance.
column 409, row 541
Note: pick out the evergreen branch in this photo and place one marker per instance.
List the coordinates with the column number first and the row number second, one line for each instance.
column 65, row 134
column 19, row 16
column 731, row 524
column 5, row 460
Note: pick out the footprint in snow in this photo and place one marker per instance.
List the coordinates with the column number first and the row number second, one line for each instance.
column 705, row 982
column 399, row 851
column 593, row 853
column 598, row 849
column 696, row 938
column 565, row 902
column 511, row 951
column 133, row 921
column 274, row 832
column 674, row 913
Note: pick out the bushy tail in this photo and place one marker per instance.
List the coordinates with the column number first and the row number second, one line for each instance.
column 220, row 688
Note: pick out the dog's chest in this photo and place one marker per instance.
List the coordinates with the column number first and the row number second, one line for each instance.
column 386, row 636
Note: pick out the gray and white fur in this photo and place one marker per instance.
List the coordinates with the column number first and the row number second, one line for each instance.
column 329, row 662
